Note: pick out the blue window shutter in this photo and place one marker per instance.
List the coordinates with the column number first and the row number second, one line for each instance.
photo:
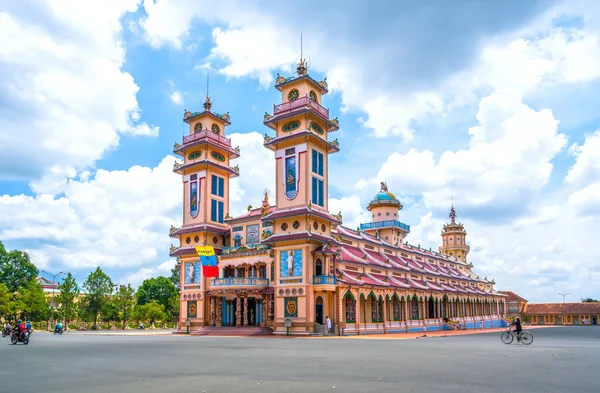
column 221, row 187
column 213, row 185
column 314, row 161
column 221, row 211
column 321, row 193
column 320, row 164
column 314, row 190
column 213, row 210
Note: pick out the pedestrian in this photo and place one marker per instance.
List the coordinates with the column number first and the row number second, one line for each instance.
column 328, row 322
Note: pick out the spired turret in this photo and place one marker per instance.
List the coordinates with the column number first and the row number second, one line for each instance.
column 454, row 239
column 385, row 208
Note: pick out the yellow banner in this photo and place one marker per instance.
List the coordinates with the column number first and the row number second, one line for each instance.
column 205, row 251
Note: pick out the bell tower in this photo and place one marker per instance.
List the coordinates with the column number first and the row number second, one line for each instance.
column 205, row 172
column 301, row 220
column 385, row 210
column 454, row 239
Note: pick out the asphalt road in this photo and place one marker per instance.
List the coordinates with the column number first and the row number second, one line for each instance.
column 559, row 360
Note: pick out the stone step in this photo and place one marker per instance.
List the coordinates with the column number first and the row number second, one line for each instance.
column 232, row 331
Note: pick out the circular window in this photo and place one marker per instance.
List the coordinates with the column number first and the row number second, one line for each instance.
column 316, row 225
column 323, row 228
column 300, row 291
column 313, row 95
column 395, row 214
column 215, row 240
column 386, row 237
column 198, row 127
column 296, row 224
column 294, row 291
column 188, row 240
column 196, row 239
column 293, row 95
column 287, row 291
column 379, row 214
column 387, row 213
column 284, row 226
column 281, row 292
column 215, row 128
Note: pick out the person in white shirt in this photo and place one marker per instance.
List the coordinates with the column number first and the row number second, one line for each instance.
column 328, row 323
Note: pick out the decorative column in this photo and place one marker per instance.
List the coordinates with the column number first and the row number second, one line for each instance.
column 220, row 311
column 265, row 303
column 212, row 311
column 245, row 300
column 238, row 311
column 358, row 314
column 385, row 306
column 271, row 308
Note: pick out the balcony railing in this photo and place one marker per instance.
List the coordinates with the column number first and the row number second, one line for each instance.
column 240, row 281
column 385, row 224
column 207, row 134
column 323, row 280
column 300, row 102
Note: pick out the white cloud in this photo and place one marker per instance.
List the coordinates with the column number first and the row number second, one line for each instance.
column 587, row 164
column 138, row 277
column 353, row 212
column 257, row 173
column 115, row 219
column 177, row 98
column 509, row 160
column 65, row 98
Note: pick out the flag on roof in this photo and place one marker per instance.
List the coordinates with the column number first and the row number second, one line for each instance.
column 209, row 261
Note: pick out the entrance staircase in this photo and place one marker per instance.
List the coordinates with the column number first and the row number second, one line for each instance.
column 241, row 331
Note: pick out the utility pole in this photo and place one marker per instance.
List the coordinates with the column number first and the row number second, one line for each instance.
column 564, row 295
column 53, row 285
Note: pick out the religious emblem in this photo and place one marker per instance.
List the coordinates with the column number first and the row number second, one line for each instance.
column 384, row 187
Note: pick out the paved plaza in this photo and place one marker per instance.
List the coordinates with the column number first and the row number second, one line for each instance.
column 560, row 359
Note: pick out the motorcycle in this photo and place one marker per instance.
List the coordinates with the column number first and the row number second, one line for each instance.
column 141, row 326
column 16, row 337
column 5, row 332
column 58, row 331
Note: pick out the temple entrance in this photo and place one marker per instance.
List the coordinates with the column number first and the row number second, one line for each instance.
column 229, row 312
column 251, row 312
column 594, row 320
column 431, row 308
column 319, row 310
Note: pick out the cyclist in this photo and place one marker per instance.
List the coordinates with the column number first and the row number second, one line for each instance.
column 518, row 328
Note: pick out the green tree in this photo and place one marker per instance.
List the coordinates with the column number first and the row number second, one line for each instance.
column 124, row 300
column 589, row 300
column 16, row 270
column 163, row 291
column 68, row 293
column 32, row 302
column 176, row 275
column 98, row 286
column 152, row 311
column 6, row 298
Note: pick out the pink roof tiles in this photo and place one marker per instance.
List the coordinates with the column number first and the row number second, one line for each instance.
column 374, row 257
column 377, row 279
column 434, row 286
column 417, row 284
column 447, row 288
column 350, row 277
column 353, row 254
column 396, row 282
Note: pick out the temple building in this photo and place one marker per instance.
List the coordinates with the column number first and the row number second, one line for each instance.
column 292, row 264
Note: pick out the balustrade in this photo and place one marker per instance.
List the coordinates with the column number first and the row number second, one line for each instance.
column 207, row 134
column 240, row 281
column 300, row 102
column 323, row 280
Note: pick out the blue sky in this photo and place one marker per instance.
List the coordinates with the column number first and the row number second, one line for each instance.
column 495, row 103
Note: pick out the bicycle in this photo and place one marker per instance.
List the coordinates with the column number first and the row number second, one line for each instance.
column 508, row 336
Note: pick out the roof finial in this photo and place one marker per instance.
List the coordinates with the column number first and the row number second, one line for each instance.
column 452, row 214
column 207, row 103
column 301, row 66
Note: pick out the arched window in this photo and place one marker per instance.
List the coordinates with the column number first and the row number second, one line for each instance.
column 237, row 241
column 318, row 267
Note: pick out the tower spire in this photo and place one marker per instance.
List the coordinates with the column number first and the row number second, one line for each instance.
column 207, row 103
column 452, row 214
column 301, row 66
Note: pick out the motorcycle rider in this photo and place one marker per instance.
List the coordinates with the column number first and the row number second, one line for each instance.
column 29, row 327
column 20, row 329
column 58, row 327
column 7, row 328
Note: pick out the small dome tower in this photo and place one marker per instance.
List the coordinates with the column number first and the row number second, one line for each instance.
column 384, row 220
